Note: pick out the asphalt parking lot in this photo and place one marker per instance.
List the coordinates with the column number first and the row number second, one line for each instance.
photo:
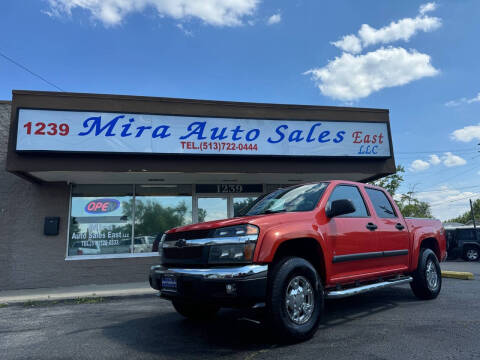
column 387, row 324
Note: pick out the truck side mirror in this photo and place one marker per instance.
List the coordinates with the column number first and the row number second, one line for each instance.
column 340, row 207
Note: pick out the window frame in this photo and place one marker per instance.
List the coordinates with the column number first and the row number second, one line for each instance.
column 128, row 255
column 347, row 216
column 194, row 198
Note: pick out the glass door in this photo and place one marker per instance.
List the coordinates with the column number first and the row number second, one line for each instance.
column 212, row 208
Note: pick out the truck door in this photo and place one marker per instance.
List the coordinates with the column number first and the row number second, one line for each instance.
column 392, row 232
column 351, row 237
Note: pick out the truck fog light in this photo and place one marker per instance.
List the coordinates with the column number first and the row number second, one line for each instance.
column 231, row 289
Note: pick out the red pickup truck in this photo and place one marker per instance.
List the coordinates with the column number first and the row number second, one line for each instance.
column 295, row 247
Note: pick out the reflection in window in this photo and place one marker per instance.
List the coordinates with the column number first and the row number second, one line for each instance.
column 380, row 202
column 351, row 193
column 214, row 208
column 241, row 205
column 101, row 220
column 155, row 214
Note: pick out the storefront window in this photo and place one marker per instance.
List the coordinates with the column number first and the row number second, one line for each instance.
column 241, row 204
column 101, row 220
column 212, row 208
column 157, row 209
column 124, row 220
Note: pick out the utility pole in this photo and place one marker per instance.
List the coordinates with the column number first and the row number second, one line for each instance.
column 473, row 218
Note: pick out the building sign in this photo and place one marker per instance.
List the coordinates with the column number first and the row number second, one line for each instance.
column 74, row 131
column 228, row 188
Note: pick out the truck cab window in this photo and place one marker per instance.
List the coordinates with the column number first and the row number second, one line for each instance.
column 353, row 194
column 380, row 202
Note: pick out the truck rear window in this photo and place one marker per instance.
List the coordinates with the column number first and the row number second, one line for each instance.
column 380, row 202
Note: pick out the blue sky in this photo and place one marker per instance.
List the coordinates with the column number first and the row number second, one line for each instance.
column 423, row 67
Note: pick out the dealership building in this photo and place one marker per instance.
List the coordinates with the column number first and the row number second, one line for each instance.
column 88, row 181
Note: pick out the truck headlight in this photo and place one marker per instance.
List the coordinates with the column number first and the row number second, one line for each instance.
column 231, row 253
column 241, row 247
column 235, row 231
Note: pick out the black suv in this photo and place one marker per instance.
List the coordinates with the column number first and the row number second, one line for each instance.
column 463, row 242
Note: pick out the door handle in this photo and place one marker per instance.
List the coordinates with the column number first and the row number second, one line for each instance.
column 371, row 226
column 400, row 226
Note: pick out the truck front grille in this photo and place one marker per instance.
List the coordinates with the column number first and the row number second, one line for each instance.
column 183, row 253
column 188, row 235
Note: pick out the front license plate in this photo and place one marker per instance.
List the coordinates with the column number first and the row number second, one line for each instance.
column 169, row 283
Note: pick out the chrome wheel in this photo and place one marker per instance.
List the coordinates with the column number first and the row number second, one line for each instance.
column 472, row 254
column 299, row 300
column 431, row 275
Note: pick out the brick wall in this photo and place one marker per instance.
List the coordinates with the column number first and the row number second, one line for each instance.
column 28, row 259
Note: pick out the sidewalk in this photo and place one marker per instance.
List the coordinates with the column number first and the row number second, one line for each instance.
column 73, row 292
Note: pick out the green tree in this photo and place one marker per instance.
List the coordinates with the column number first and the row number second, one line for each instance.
column 152, row 218
column 202, row 214
column 414, row 207
column 467, row 216
column 391, row 183
column 407, row 203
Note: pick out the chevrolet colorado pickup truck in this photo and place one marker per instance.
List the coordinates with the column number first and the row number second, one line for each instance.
column 295, row 247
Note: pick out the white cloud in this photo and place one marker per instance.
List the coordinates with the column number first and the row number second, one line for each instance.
column 447, row 202
column 419, row 165
column 351, row 77
column 274, row 19
column 402, row 29
column 463, row 101
column 112, row 12
column 424, row 8
column 434, row 160
column 467, row 133
column 450, row 160
column 184, row 30
column 349, row 43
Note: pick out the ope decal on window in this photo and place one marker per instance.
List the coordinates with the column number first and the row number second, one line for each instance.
column 102, row 206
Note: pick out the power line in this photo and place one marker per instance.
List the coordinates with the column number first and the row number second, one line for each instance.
column 446, row 190
column 434, row 151
column 411, row 157
column 450, row 201
column 30, row 71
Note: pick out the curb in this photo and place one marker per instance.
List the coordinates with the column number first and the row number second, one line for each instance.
column 457, row 275
column 11, row 300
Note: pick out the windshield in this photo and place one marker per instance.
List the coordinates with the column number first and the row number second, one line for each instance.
column 295, row 198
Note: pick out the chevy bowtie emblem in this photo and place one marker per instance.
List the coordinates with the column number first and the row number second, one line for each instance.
column 181, row 243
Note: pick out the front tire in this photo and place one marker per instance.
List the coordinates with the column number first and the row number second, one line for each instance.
column 195, row 311
column 295, row 299
column 471, row 253
column 427, row 279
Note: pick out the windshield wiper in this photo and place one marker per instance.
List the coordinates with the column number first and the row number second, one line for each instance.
column 273, row 211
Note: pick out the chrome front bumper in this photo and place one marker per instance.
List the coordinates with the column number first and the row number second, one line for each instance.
column 197, row 285
column 245, row 272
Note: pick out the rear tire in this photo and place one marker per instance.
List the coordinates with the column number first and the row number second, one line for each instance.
column 195, row 311
column 295, row 299
column 427, row 279
column 471, row 253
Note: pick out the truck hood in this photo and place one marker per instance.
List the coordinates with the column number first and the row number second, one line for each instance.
column 264, row 220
